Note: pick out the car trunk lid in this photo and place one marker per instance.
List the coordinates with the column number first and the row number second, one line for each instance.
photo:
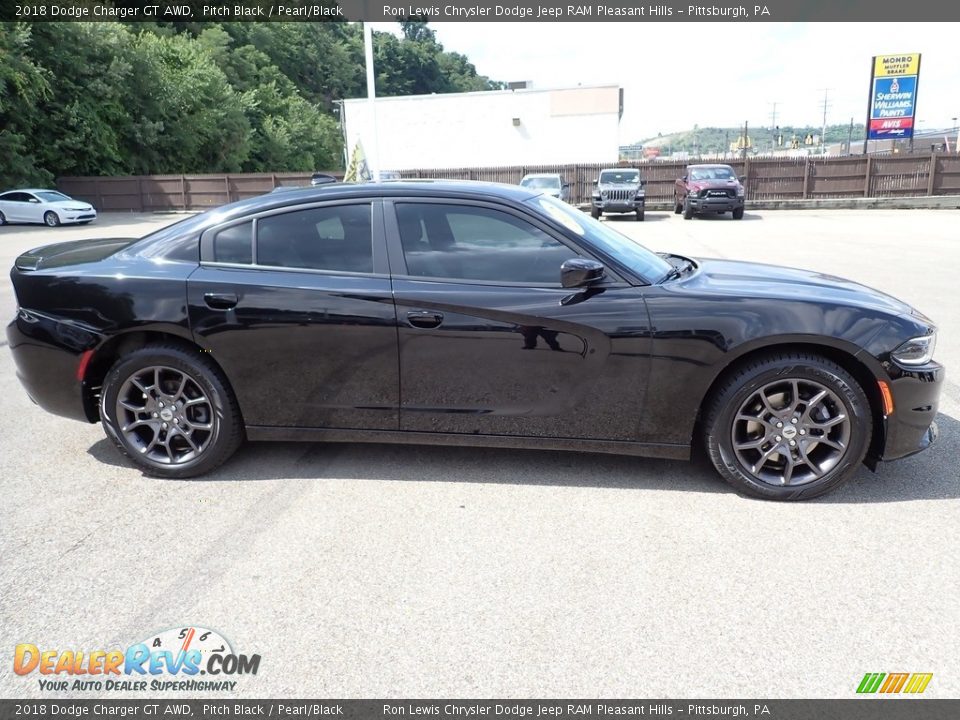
column 75, row 252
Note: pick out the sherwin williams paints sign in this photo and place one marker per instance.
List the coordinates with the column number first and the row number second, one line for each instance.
column 893, row 95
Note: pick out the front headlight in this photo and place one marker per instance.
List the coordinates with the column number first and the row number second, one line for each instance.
column 916, row 351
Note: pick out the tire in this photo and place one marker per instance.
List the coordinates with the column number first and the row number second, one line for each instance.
column 639, row 215
column 157, row 444
column 51, row 219
column 687, row 210
column 595, row 213
column 3, row 219
column 825, row 402
column 738, row 214
column 677, row 205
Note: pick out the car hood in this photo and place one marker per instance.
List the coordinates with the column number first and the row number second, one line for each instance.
column 715, row 183
column 71, row 205
column 756, row 280
column 618, row 186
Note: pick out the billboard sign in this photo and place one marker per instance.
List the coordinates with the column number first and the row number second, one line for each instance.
column 893, row 96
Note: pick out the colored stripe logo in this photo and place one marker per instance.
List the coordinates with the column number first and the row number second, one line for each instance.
column 892, row 683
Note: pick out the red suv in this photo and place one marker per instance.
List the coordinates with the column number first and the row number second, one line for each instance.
column 709, row 189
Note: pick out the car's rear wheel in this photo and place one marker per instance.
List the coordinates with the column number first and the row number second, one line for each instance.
column 51, row 218
column 687, row 209
column 170, row 411
column 738, row 214
column 788, row 426
column 677, row 205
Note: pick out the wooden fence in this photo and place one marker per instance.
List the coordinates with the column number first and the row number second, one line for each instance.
column 767, row 179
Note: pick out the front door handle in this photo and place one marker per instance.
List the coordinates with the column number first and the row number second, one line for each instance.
column 220, row 301
column 424, row 319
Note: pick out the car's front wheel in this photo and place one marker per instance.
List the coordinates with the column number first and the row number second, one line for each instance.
column 788, row 426
column 687, row 209
column 51, row 218
column 170, row 411
column 639, row 215
column 738, row 214
column 595, row 213
column 3, row 219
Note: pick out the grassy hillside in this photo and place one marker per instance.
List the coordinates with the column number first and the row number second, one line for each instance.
column 718, row 139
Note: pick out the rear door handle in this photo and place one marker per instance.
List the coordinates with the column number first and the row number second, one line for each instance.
column 220, row 301
column 425, row 319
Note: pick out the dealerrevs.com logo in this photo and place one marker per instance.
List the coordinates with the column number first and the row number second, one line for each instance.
column 174, row 659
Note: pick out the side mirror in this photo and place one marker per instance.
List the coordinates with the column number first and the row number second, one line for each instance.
column 596, row 180
column 683, row 178
column 642, row 183
column 742, row 178
column 579, row 272
column 566, row 185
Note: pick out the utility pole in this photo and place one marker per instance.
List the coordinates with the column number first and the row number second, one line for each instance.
column 746, row 138
column 823, row 131
column 849, row 136
column 773, row 128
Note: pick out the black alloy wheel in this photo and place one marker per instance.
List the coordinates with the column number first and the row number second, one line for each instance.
column 788, row 426
column 170, row 411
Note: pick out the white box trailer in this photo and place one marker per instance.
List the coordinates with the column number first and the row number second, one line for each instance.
column 489, row 129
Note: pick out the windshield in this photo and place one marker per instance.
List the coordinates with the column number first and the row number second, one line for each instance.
column 619, row 176
column 51, row 196
column 633, row 255
column 712, row 173
column 541, row 183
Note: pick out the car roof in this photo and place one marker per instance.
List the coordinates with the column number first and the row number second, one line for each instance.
column 417, row 187
column 709, row 165
column 532, row 175
column 32, row 190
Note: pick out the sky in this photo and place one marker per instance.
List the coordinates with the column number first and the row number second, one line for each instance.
column 675, row 75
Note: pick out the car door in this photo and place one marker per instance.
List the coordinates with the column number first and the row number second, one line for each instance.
column 295, row 305
column 33, row 208
column 490, row 343
column 13, row 206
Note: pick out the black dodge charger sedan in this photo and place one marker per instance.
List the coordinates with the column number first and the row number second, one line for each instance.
column 466, row 314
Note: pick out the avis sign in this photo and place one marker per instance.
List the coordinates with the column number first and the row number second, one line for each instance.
column 893, row 96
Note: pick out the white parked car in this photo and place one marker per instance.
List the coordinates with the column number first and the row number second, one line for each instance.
column 548, row 184
column 43, row 206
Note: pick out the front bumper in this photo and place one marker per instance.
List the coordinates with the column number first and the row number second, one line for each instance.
column 622, row 206
column 715, row 204
column 70, row 216
column 916, row 397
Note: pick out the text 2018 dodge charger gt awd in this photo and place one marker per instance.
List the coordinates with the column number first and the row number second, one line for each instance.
column 466, row 314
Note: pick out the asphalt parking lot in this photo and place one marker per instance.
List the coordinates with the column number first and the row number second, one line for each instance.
column 382, row 571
